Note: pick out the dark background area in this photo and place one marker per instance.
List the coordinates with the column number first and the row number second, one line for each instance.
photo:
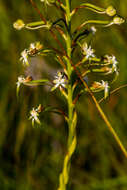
column 32, row 158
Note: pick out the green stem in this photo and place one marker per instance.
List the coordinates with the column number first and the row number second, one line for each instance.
column 69, row 69
column 72, row 116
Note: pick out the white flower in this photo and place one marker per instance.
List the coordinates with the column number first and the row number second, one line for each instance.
column 112, row 60
column 24, row 57
column 34, row 116
column 34, row 48
column 20, row 81
column 88, row 51
column 99, row 86
column 48, row 2
column 93, row 30
column 59, row 81
column 45, row 1
column 106, row 87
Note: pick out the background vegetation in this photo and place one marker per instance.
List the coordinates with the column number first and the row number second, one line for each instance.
column 31, row 158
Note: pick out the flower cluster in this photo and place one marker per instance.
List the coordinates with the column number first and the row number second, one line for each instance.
column 90, row 63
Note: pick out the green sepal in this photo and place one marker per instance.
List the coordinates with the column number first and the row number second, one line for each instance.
column 53, row 88
column 36, row 82
column 17, row 91
column 33, row 24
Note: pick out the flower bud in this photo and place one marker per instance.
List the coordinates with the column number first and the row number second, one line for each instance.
column 19, row 24
column 40, row 108
column 34, row 48
column 110, row 11
column 28, row 79
column 118, row 20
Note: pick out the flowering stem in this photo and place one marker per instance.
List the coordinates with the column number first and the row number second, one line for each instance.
column 72, row 116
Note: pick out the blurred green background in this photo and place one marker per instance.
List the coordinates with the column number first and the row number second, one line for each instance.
column 32, row 158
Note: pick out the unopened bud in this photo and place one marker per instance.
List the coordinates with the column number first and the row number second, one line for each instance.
column 19, row 24
column 105, row 69
column 118, row 20
column 111, row 11
column 40, row 108
column 96, row 85
column 28, row 79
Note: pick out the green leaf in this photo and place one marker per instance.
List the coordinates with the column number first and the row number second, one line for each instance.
column 53, row 88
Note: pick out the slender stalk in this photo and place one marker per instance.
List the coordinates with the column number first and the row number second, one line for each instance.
column 104, row 23
column 113, row 92
column 72, row 116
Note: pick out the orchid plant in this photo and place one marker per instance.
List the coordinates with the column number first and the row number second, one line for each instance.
column 69, row 86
